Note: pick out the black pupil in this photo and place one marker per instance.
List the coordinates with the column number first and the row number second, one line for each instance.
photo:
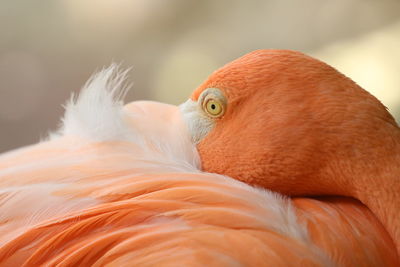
column 213, row 106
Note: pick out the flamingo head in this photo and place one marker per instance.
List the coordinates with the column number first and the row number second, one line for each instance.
column 282, row 120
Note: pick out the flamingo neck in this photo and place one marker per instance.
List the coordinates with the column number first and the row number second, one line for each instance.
column 380, row 192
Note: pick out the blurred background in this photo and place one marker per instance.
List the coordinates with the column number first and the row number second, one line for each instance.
column 48, row 48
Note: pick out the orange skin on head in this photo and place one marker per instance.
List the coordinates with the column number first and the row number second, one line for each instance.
column 295, row 125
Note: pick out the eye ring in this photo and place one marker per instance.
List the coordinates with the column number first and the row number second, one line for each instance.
column 213, row 102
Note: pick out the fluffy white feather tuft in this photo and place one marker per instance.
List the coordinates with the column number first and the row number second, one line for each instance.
column 97, row 112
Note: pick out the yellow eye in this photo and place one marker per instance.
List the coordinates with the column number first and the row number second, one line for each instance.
column 214, row 108
column 213, row 102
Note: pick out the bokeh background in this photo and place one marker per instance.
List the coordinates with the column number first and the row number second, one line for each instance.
column 49, row 48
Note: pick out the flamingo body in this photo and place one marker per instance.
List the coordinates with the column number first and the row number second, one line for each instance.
column 134, row 195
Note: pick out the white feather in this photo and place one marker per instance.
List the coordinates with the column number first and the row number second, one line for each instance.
column 198, row 123
column 97, row 113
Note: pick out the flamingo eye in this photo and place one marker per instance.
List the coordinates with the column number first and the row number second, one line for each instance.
column 214, row 108
column 213, row 102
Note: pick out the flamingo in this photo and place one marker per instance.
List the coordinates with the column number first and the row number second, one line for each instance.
column 134, row 185
column 312, row 131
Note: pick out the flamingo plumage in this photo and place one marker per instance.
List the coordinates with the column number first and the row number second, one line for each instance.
column 124, row 186
column 312, row 131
